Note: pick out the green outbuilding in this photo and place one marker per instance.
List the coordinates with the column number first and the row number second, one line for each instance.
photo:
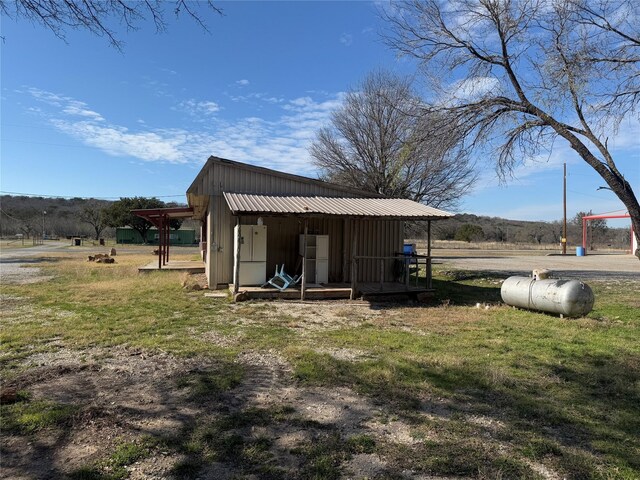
column 176, row 237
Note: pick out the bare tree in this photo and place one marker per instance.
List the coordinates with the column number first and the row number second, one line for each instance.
column 378, row 142
column 94, row 214
column 530, row 71
column 99, row 16
column 26, row 221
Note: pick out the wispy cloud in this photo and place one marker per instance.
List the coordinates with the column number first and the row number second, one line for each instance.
column 256, row 97
column 243, row 83
column 279, row 143
column 120, row 141
column 69, row 106
column 199, row 108
column 471, row 88
column 346, row 39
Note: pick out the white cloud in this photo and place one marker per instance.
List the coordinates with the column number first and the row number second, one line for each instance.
column 199, row 108
column 69, row 105
column 244, row 82
column 279, row 143
column 469, row 89
column 346, row 39
column 256, row 97
column 119, row 141
column 78, row 109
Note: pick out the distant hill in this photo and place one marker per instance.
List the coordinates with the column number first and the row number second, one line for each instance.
column 468, row 227
column 21, row 214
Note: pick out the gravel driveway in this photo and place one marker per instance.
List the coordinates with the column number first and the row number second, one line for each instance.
column 590, row 267
column 17, row 264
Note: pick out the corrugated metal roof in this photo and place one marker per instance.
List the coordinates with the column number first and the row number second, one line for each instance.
column 391, row 208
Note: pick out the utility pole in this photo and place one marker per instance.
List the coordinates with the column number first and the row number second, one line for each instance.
column 564, row 207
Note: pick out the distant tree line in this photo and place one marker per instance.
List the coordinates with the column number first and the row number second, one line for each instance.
column 473, row 228
column 61, row 217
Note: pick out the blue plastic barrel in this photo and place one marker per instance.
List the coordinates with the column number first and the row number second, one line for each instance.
column 579, row 251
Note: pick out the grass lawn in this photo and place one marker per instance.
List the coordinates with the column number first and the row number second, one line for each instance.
column 200, row 386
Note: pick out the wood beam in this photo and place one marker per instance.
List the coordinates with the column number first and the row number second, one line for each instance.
column 236, row 263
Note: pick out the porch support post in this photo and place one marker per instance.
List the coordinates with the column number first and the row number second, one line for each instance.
column 168, row 237
column 160, row 225
column 345, row 258
column 354, row 261
column 165, row 219
column 236, row 263
column 428, row 273
column 303, row 288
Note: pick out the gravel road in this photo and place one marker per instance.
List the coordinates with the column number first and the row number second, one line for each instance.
column 17, row 265
column 590, row 267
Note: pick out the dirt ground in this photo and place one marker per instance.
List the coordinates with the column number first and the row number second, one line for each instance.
column 125, row 394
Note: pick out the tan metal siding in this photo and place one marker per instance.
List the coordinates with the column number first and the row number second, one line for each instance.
column 376, row 238
column 234, row 179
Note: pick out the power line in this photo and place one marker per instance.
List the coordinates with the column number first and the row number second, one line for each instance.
column 12, row 218
column 75, row 196
column 585, row 194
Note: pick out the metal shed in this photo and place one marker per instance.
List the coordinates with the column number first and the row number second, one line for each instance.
column 364, row 231
column 129, row 235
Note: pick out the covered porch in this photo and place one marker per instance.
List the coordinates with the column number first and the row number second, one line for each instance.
column 366, row 259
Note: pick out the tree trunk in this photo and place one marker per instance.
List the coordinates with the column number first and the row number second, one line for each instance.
column 143, row 233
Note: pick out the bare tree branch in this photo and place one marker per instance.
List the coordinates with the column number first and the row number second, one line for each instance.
column 538, row 69
column 100, row 16
column 379, row 141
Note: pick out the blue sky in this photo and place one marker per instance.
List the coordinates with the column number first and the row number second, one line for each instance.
column 83, row 119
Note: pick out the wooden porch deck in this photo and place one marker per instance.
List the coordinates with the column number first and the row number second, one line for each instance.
column 332, row 291
column 171, row 265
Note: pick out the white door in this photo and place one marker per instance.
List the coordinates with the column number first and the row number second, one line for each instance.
column 322, row 271
column 252, row 273
column 259, row 240
column 245, row 242
column 322, row 246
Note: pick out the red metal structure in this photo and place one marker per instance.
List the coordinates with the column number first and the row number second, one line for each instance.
column 161, row 218
column 586, row 218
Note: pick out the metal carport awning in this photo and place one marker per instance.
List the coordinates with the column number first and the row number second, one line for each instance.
column 161, row 218
column 285, row 205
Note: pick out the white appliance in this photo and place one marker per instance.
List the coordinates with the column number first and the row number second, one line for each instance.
column 253, row 254
column 317, row 265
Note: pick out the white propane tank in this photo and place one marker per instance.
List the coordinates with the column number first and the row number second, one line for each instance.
column 566, row 297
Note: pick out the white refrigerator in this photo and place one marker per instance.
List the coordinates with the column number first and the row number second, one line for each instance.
column 253, row 254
